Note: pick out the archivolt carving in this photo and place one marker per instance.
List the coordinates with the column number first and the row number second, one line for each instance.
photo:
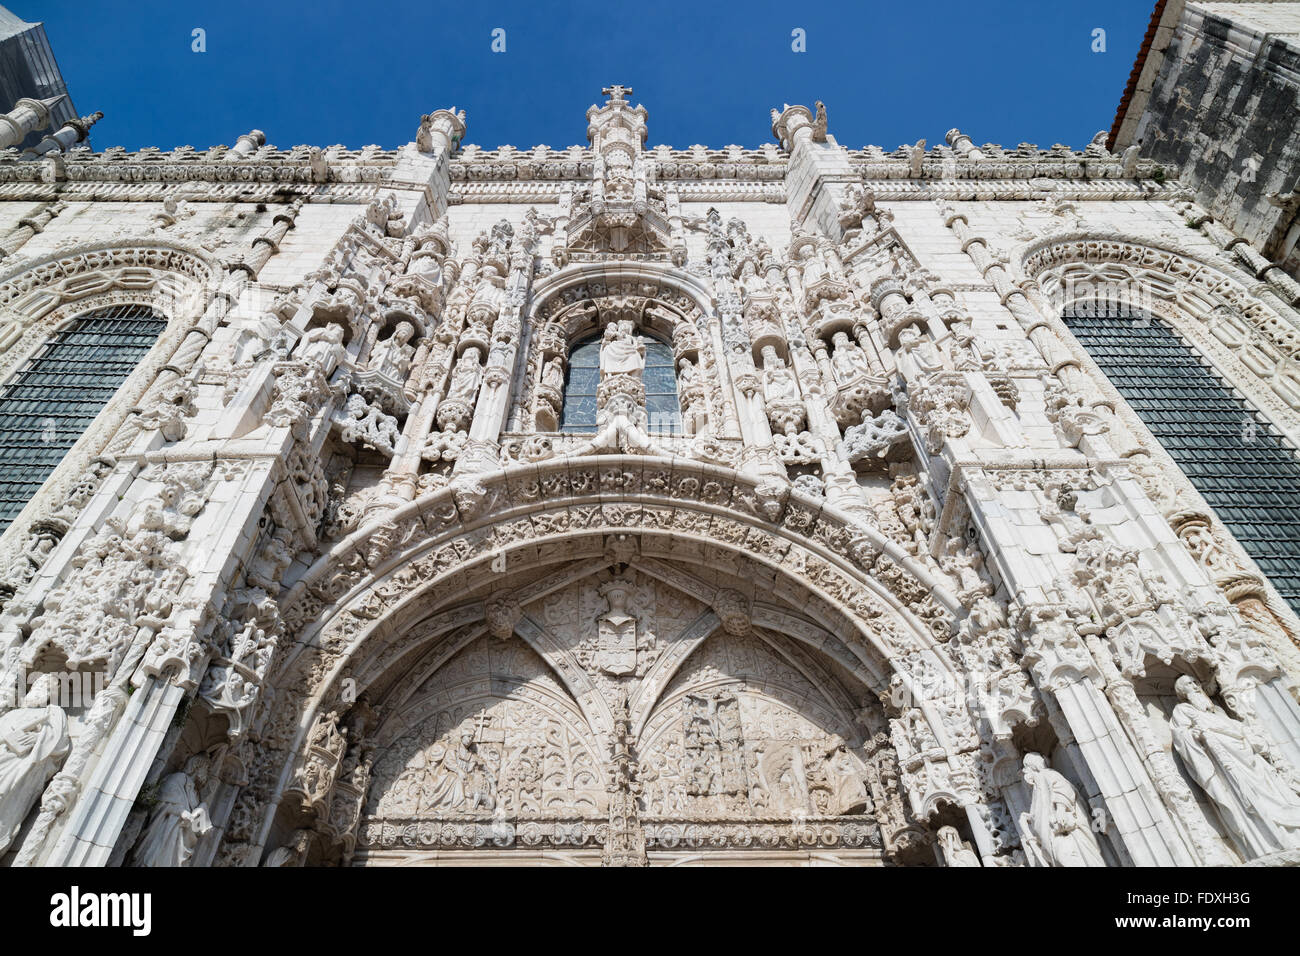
column 447, row 543
column 1210, row 307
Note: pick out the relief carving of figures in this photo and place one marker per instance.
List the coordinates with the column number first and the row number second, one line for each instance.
column 510, row 757
column 33, row 742
column 128, row 575
column 1057, row 830
column 1256, row 800
column 730, row 753
column 314, row 781
column 271, row 561
column 463, row 780
column 179, row 818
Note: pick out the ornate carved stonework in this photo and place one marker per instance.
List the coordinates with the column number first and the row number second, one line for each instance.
column 633, row 505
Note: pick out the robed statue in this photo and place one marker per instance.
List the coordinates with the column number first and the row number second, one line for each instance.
column 1256, row 802
column 1057, row 827
column 620, row 352
column 33, row 742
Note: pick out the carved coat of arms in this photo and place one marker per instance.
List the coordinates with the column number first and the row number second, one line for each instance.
column 617, row 631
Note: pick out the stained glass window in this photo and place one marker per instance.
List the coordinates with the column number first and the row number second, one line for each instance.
column 1234, row 458
column 53, row 398
column 663, row 410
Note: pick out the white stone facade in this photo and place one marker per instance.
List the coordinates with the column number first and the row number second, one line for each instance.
column 910, row 584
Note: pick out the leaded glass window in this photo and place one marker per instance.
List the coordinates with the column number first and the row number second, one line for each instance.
column 1234, row 458
column 53, row 398
column 663, row 410
column 580, row 381
column 661, row 405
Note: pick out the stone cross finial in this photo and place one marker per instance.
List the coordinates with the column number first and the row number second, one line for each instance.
column 616, row 93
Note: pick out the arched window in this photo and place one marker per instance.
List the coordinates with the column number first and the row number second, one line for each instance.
column 580, row 381
column 1232, row 456
column 661, row 404
column 56, row 394
column 663, row 410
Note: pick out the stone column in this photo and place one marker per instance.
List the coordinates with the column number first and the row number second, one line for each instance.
column 27, row 116
column 72, row 132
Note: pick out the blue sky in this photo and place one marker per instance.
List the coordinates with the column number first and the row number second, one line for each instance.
column 708, row 72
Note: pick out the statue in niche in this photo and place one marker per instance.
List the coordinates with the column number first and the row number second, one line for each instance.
column 1057, row 828
column 1227, row 758
column 688, row 374
column 465, row 376
column 179, row 819
column 553, row 374
column 848, row 358
column 954, row 850
column 322, row 347
column 755, row 285
column 33, row 742
column 620, row 352
column 779, row 381
column 392, row 356
column 690, row 386
column 921, row 349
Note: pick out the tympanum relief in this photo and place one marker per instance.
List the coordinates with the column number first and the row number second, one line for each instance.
column 733, row 745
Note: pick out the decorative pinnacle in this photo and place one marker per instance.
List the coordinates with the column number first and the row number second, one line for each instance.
column 83, row 124
column 617, row 93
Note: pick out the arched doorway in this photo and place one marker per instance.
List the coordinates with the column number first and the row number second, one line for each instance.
column 651, row 634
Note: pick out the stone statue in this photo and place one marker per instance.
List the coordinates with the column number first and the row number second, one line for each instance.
column 620, row 352
column 553, row 374
column 33, row 742
column 848, row 360
column 1057, row 828
column 464, row 378
column 954, row 850
column 322, row 346
column 179, row 818
column 1227, row 758
column 779, row 381
column 392, row 356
